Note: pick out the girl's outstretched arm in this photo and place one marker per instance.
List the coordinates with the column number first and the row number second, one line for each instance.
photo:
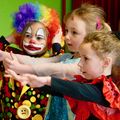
column 77, row 90
column 57, row 69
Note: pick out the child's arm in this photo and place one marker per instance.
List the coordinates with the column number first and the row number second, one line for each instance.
column 18, row 66
column 60, row 70
column 27, row 59
column 13, row 63
column 57, row 69
column 80, row 91
column 24, row 59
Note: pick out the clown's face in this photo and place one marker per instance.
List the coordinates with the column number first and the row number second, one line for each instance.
column 35, row 39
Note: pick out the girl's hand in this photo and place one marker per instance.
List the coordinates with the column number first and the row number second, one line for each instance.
column 13, row 64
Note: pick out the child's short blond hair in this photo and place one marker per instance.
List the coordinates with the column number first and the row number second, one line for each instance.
column 103, row 43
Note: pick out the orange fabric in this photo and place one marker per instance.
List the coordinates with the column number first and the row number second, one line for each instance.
column 112, row 93
column 82, row 109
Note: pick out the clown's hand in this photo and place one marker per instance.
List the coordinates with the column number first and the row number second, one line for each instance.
column 13, row 64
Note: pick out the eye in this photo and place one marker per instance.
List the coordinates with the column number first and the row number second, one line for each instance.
column 66, row 31
column 40, row 37
column 28, row 35
column 74, row 33
column 86, row 58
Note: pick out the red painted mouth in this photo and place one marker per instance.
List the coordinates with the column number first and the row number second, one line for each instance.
column 31, row 47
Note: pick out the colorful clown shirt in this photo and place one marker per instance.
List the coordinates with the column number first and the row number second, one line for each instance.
column 20, row 102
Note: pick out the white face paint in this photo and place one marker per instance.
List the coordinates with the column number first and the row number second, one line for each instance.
column 33, row 49
column 29, row 30
column 41, row 33
column 35, row 40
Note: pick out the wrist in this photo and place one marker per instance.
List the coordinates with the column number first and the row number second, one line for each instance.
column 27, row 68
column 48, row 82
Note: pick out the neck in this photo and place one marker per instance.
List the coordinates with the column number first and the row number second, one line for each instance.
column 107, row 71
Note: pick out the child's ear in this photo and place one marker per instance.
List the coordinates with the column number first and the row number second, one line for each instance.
column 107, row 61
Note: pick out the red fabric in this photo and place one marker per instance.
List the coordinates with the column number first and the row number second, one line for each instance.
column 111, row 93
column 82, row 109
column 111, row 8
column 1, row 46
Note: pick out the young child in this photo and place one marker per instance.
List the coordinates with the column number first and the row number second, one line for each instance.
column 78, row 23
column 30, row 12
column 95, row 94
column 35, row 40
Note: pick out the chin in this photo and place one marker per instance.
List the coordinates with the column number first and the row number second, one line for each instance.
column 87, row 77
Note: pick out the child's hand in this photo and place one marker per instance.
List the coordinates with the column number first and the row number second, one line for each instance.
column 13, row 64
column 20, row 78
column 30, row 79
column 35, row 81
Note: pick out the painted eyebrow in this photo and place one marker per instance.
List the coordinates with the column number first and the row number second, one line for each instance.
column 40, row 34
column 41, row 29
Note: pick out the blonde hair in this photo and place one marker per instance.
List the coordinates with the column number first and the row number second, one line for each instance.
column 92, row 15
column 103, row 43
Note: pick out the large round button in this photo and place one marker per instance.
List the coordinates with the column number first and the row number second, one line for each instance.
column 23, row 112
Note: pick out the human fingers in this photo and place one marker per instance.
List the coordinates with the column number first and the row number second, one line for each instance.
column 13, row 56
column 12, row 73
column 8, row 61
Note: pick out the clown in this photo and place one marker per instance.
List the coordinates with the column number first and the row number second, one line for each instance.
column 35, row 39
column 38, row 34
column 30, row 13
column 48, row 17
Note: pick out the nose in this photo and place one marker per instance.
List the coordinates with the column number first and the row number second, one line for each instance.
column 80, row 63
column 67, row 36
column 32, row 41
